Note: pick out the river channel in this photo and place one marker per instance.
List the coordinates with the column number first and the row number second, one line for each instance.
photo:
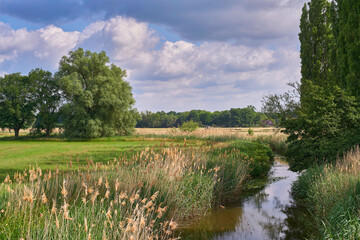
column 266, row 213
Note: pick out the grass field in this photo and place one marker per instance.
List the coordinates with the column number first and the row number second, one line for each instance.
column 48, row 154
column 135, row 187
column 17, row 155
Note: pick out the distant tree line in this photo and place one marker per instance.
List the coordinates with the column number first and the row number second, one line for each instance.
column 326, row 120
column 235, row 117
column 87, row 96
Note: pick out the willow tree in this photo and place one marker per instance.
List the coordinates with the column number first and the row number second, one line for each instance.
column 99, row 100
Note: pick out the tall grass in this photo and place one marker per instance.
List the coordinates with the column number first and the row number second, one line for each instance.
column 332, row 194
column 142, row 196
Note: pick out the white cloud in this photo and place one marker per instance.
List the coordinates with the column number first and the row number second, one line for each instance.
column 31, row 48
column 165, row 75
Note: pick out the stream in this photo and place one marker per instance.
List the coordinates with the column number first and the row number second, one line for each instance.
column 266, row 213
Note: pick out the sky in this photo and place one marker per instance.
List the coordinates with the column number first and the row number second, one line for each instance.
column 179, row 55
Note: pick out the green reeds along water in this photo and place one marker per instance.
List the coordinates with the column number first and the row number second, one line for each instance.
column 139, row 196
column 332, row 194
column 268, row 212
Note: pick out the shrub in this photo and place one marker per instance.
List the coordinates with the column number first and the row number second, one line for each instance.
column 189, row 126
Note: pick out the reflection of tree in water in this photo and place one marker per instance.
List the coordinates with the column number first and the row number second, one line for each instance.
column 259, row 199
column 259, row 215
column 277, row 203
column 274, row 227
column 299, row 222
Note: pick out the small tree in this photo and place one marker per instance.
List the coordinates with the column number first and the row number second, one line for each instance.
column 99, row 100
column 189, row 126
column 17, row 103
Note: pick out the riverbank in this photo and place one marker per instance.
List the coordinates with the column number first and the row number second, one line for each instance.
column 332, row 193
column 266, row 212
column 140, row 195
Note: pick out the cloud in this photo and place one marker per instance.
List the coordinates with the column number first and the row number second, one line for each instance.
column 33, row 48
column 250, row 21
column 165, row 75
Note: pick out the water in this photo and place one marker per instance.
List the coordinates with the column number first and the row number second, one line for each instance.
column 268, row 213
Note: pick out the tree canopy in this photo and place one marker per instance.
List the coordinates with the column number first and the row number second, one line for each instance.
column 47, row 100
column 325, row 122
column 235, row 117
column 99, row 101
column 17, row 104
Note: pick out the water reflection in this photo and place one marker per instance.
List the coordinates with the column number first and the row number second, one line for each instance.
column 270, row 213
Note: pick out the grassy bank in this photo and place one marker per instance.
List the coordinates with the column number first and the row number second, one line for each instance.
column 332, row 194
column 141, row 195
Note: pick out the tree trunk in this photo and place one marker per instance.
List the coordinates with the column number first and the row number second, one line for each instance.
column 48, row 131
column 17, row 132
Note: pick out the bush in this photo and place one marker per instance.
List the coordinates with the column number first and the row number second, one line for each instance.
column 189, row 126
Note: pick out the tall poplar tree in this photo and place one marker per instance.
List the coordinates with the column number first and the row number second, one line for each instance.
column 347, row 29
column 327, row 121
column 316, row 40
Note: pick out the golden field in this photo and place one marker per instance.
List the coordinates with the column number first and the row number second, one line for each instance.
column 214, row 131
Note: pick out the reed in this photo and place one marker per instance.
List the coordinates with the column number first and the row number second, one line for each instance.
column 332, row 193
column 141, row 196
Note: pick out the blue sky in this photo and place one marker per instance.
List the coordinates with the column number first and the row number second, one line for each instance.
column 180, row 55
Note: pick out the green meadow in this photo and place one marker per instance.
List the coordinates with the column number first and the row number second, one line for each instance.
column 18, row 155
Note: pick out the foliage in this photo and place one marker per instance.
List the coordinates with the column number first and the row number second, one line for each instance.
column 251, row 132
column 235, row 117
column 324, row 129
column 17, row 104
column 189, row 126
column 47, row 99
column 325, row 122
column 99, row 100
